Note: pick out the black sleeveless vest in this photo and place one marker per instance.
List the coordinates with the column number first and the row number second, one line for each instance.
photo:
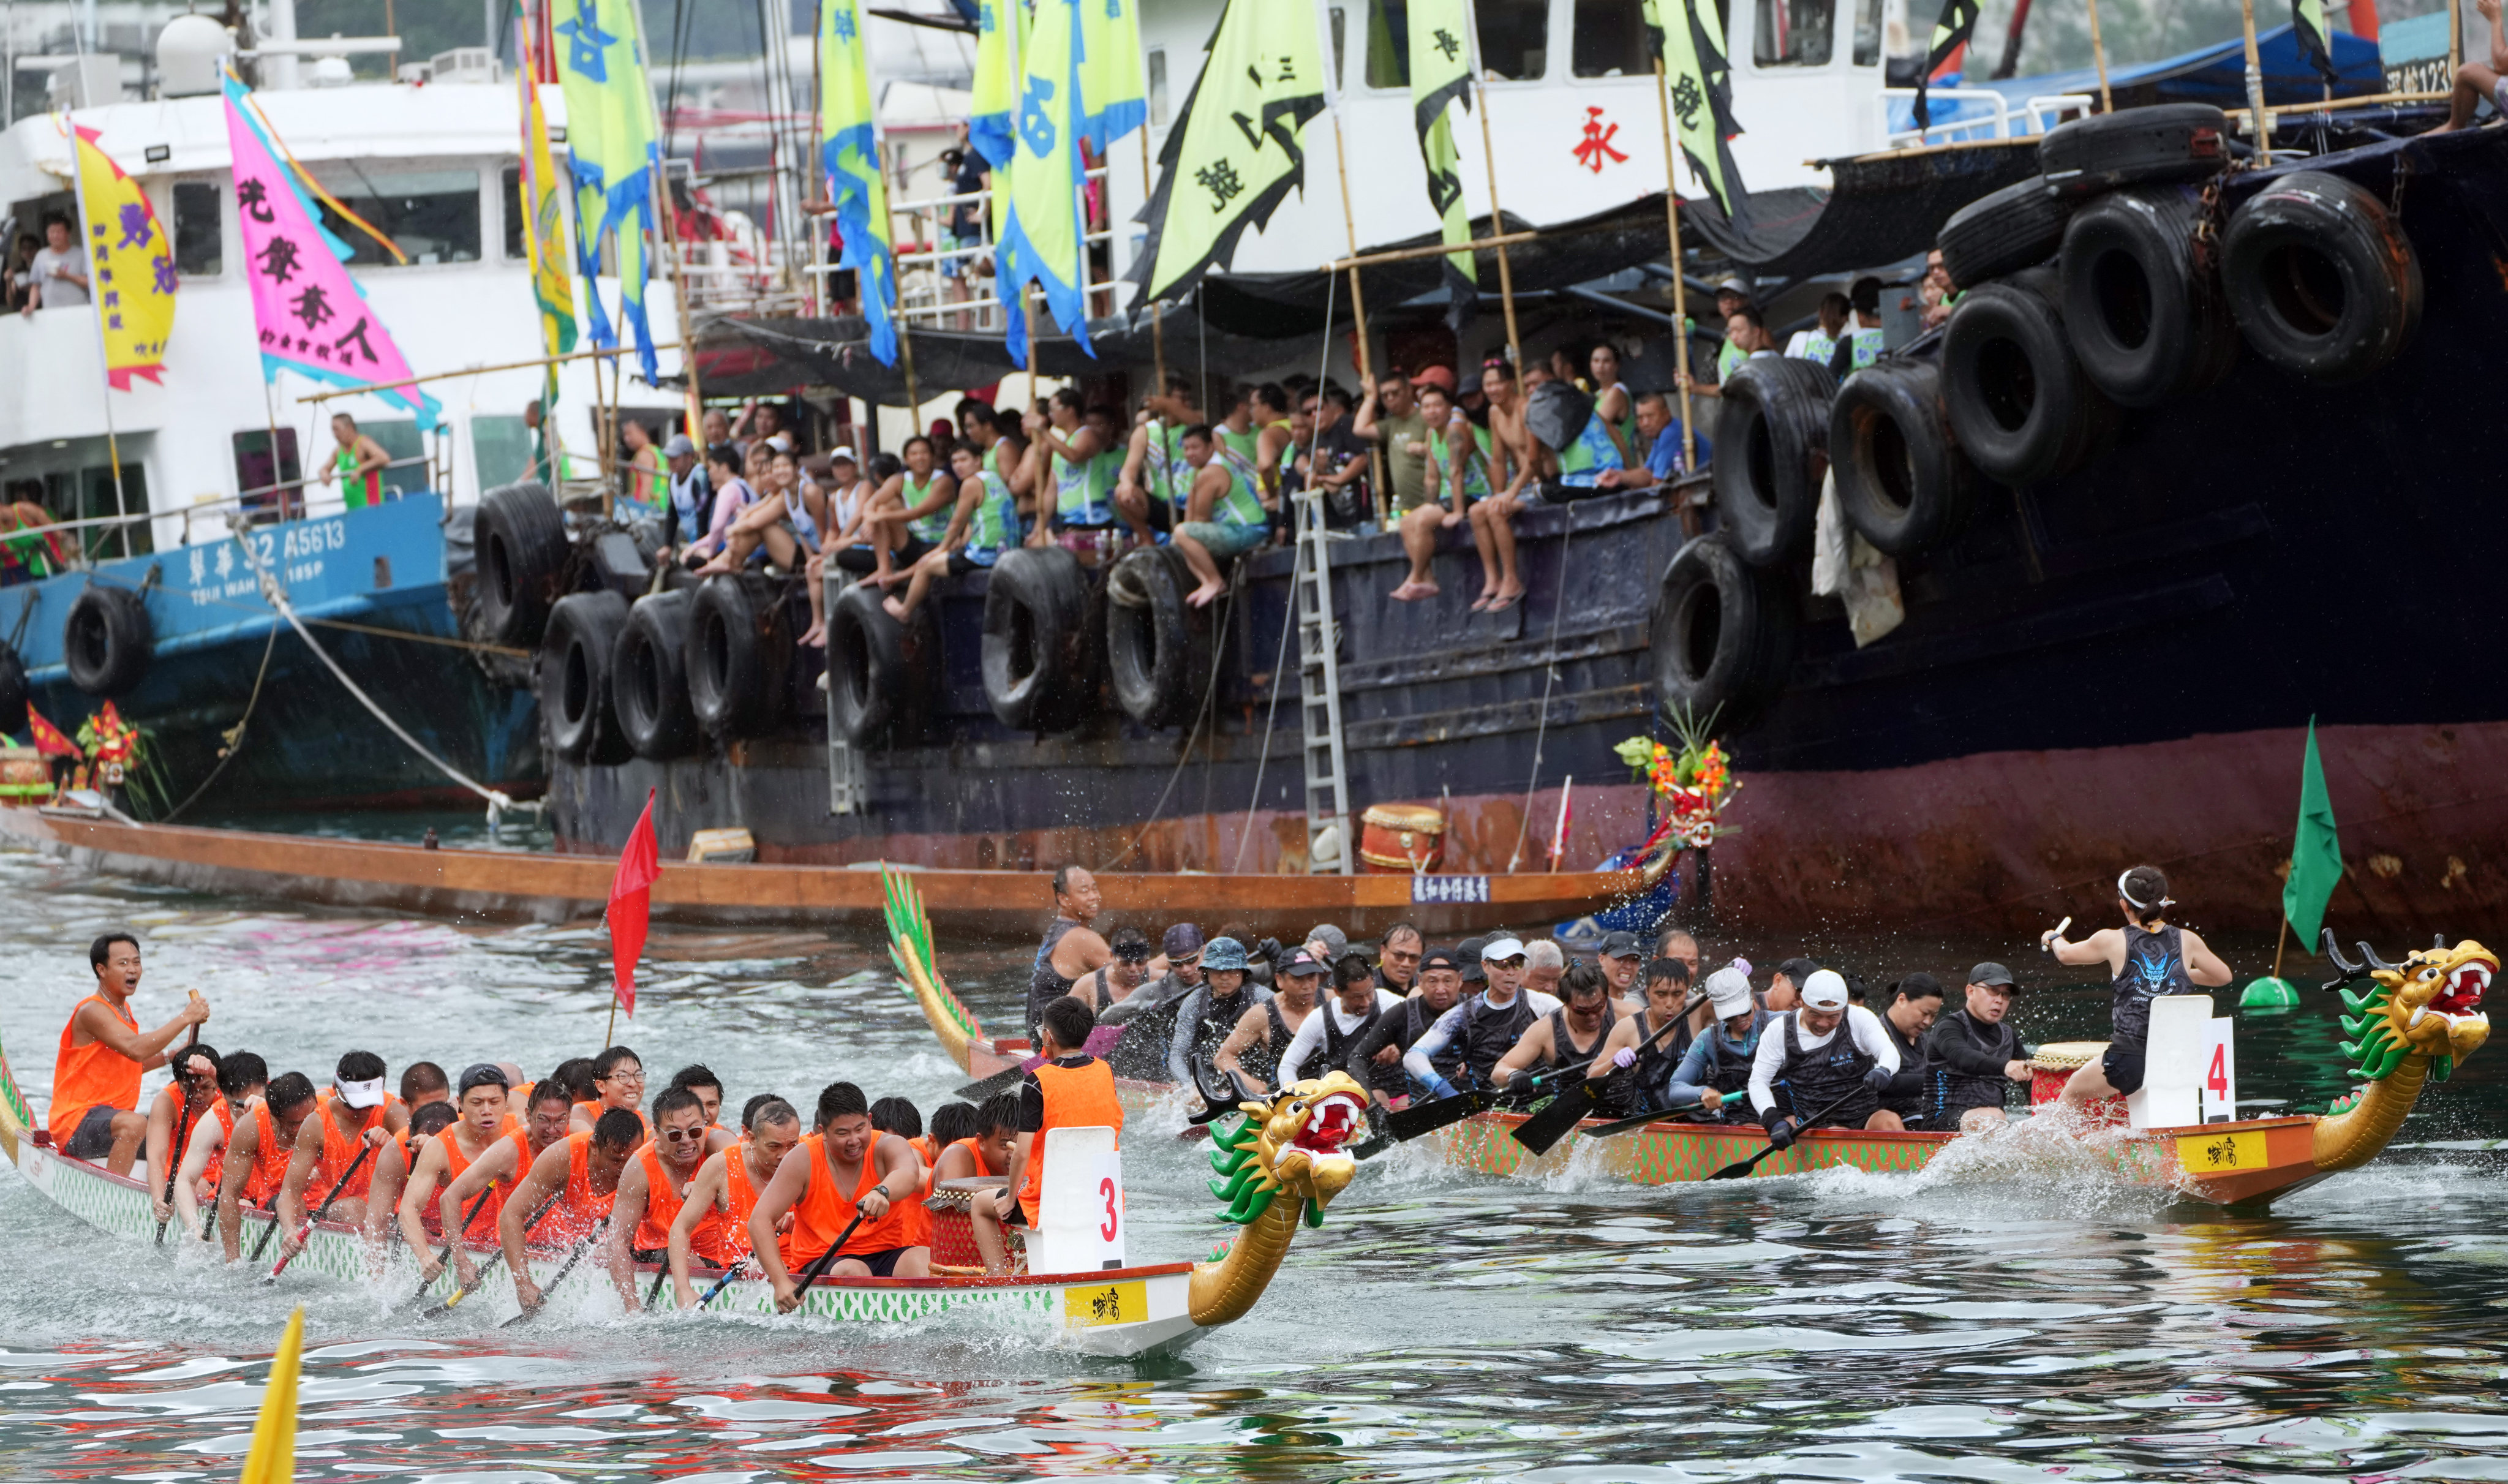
column 1488, row 1033
column 1043, row 985
column 2154, row 964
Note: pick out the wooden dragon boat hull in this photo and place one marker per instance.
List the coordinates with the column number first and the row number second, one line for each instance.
column 512, row 885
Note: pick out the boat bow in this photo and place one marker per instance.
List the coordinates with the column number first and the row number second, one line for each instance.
column 909, row 948
column 2417, row 1020
column 1288, row 1147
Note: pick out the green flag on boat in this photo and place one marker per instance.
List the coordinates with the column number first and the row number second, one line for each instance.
column 1701, row 84
column 1441, row 73
column 1234, row 156
column 2315, row 42
column 2316, row 855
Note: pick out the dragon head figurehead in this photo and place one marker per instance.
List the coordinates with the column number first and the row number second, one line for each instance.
column 2430, row 1003
column 1291, row 1143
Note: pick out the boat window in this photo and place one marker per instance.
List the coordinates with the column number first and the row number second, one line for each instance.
column 1868, row 33
column 256, row 474
column 400, row 440
column 1611, row 39
column 1792, row 33
column 88, row 493
column 432, row 214
column 1389, row 44
column 501, row 451
column 199, row 237
column 1157, row 87
column 1514, row 37
column 512, row 197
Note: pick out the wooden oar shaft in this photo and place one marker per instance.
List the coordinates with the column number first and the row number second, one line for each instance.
column 534, row 1219
column 444, row 1254
column 319, row 1211
column 183, row 1131
column 590, row 1239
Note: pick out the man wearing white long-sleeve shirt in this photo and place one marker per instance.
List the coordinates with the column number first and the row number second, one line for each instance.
column 1832, row 1060
column 1487, row 1025
column 1327, row 1040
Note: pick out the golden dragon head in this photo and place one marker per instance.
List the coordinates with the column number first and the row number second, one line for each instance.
column 1291, row 1143
column 2430, row 1003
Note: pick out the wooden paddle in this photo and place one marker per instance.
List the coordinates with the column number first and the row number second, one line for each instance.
column 1573, row 1105
column 826, row 1260
column 985, row 1087
column 461, row 1292
column 182, row 1135
column 444, row 1254
column 1739, row 1168
column 322, row 1211
column 590, row 1241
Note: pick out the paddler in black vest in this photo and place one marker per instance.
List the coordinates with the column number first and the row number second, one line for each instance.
column 1440, row 984
column 1715, row 1074
column 1631, row 1043
column 1486, row 1026
column 1148, row 1015
column 2146, row 958
column 1113, row 983
column 1823, row 1065
column 1569, row 1036
column 1329, row 1040
column 1071, row 947
column 1974, row 1056
column 1263, row 1034
column 1211, row 1013
column 1914, row 1004
column 1619, row 958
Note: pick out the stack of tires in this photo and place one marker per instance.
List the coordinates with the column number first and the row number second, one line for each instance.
column 652, row 679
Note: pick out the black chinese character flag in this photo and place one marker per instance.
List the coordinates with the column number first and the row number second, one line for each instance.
column 1690, row 37
column 1951, row 35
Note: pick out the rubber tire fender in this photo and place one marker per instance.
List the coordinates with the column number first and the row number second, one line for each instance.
column 2017, row 227
column 15, row 693
column 107, row 640
column 2016, row 400
column 576, row 678
column 726, row 660
column 519, row 537
column 1772, row 448
column 1157, row 650
column 2137, row 146
column 1035, row 639
column 873, row 678
column 1902, row 482
column 1721, row 635
column 2321, row 276
column 649, row 679
column 2144, row 311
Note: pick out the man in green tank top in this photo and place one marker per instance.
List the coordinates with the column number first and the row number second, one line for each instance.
column 1150, row 491
column 1226, row 515
column 1077, row 494
column 1237, row 431
column 1456, row 471
column 983, row 524
column 1391, row 417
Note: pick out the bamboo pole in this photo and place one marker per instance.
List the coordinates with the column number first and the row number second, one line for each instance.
column 1498, row 233
column 913, row 401
column 613, row 351
column 1679, row 290
column 1479, row 244
column 2454, row 38
column 688, row 314
column 2260, row 123
column 2099, row 53
column 1358, row 309
column 95, row 316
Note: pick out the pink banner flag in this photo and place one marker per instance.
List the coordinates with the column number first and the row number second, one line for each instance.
column 311, row 315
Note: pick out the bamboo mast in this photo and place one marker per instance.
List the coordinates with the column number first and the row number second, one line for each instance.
column 2099, row 55
column 2259, row 126
column 1497, row 218
column 1679, row 290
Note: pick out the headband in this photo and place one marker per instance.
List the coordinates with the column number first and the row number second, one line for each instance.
column 2126, row 892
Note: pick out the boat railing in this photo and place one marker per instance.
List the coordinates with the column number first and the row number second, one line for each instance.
column 925, row 284
column 2034, row 115
column 264, row 505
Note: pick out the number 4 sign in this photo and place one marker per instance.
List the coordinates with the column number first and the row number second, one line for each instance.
column 2217, row 1092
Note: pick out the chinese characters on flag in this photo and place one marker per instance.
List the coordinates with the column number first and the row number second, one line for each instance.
column 132, row 265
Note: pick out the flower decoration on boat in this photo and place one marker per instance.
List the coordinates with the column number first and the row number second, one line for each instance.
column 1694, row 778
column 111, row 744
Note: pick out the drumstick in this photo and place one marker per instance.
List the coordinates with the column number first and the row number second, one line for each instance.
column 2046, row 945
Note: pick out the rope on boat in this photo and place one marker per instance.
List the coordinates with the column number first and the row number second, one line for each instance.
column 498, row 801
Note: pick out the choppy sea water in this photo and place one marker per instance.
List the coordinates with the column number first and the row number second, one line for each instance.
column 2010, row 1313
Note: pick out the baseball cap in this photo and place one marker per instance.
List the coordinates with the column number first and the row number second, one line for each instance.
column 1336, row 942
column 1183, row 940
column 480, row 1074
column 1729, row 989
column 1734, row 286
column 1468, row 952
column 680, row 445
column 1299, row 962
column 1437, row 958
column 1991, row 974
column 1222, row 954
column 1474, row 972
column 1499, row 948
column 1435, row 375
column 1620, row 944
column 843, row 455
column 1824, row 990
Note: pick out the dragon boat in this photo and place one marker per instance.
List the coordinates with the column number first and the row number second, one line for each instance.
column 2411, row 1025
column 1279, row 1163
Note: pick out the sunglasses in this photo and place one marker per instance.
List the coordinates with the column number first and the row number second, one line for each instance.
column 683, row 1136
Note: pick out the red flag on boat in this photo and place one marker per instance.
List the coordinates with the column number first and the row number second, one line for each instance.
column 49, row 740
column 631, row 903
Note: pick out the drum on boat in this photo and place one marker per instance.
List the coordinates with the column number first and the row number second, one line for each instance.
column 953, row 1229
column 1401, row 837
column 2053, row 1065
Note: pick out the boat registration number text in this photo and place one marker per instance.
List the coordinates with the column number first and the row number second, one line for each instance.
column 1086, row 1308
column 2213, row 1153
column 1428, row 888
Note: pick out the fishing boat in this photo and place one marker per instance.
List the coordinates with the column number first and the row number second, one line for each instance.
column 1279, row 1164
column 516, row 886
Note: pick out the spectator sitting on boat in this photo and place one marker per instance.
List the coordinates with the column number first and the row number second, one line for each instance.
column 95, row 1076
column 1937, row 293
column 1211, row 1013
column 1819, row 342
column 1613, row 407
column 1235, row 427
column 1484, row 1027
column 1745, row 336
column 1328, row 1040
column 1570, row 1036
column 647, row 482
column 58, row 274
column 1254, row 1050
column 984, row 525
column 1914, row 1004
column 1391, row 419
column 1082, row 491
column 1514, row 457
column 1224, row 518
column 731, row 494
column 357, row 461
column 1440, row 984
column 1273, row 435
column 1715, row 1074
column 2475, row 83
column 1832, row 1060
column 780, row 524
column 909, row 514
column 717, row 426
column 1149, row 488
column 1972, row 1056
column 691, row 491
column 766, row 421
column 1338, row 465
column 1457, row 475
column 1862, row 345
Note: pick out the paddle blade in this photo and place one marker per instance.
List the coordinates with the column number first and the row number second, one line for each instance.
column 1571, row 1107
column 1738, row 1169
column 273, row 1460
column 985, row 1087
column 1429, row 1117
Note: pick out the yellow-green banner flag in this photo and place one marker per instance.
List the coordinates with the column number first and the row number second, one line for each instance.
column 1441, row 73
column 857, row 188
column 614, row 142
column 1234, row 156
column 1701, row 80
column 543, row 218
column 1112, row 97
column 2315, row 41
column 1041, row 241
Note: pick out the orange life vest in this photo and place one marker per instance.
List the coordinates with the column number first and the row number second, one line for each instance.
column 483, row 1226
column 976, row 1150
column 661, row 1203
column 579, row 1208
column 723, row 1237
column 599, row 1108
column 918, row 1224
column 91, row 1076
column 823, row 1211
column 340, row 1152
column 1079, row 1097
column 269, row 1161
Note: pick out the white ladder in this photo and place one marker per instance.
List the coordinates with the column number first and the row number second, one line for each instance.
column 1320, row 685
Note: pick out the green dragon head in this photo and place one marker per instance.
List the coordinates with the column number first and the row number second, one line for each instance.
column 1291, row 1143
column 2430, row 1003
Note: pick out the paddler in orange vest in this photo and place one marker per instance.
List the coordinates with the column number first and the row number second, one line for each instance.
column 656, row 1185
column 394, row 1158
column 259, row 1152
column 546, row 1109
column 1069, row 1090
column 848, row 1168
column 582, row 1172
column 172, row 1114
column 356, row 1114
column 713, row 1223
column 95, row 1075
column 987, row 1152
column 480, row 1098
column 618, row 1080
column 242, row 1078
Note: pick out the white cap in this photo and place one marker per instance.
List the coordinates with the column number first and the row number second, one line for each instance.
column 360, row 1094
column 1500, row 947
column 1824, row 990
column 1729, row 989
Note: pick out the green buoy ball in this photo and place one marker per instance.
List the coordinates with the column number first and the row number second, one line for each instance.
column 2270, row 993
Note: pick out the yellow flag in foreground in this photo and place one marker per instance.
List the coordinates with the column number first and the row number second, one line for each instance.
column 273, row 1460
